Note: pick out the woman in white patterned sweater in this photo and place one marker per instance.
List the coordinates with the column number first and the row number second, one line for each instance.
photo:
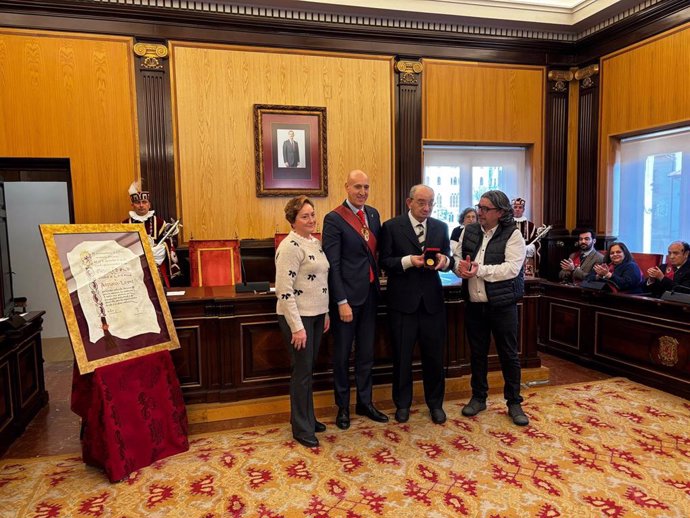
column 302, row 308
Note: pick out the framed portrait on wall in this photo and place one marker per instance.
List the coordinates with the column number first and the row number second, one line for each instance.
column 290, row 150
column 110, row 292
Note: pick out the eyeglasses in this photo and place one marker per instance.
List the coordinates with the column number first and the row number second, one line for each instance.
column 482, row 208
column 422, row 203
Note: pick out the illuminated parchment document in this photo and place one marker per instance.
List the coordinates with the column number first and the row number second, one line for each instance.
column 111, row 290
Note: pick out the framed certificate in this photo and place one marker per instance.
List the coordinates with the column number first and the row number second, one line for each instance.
column 110, row 292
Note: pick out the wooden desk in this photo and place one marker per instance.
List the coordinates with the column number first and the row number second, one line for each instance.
column 22, row 385
column 644, row 339
column 232, row 348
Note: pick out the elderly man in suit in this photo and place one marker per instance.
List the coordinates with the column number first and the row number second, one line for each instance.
column 576, row 267
column 414, row 247
column 669, row 276
column 350, row 235
column 291, row 151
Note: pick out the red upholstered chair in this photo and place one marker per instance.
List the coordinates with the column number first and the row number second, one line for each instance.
column 646, row 261
column 215, row 262
column 282, row 235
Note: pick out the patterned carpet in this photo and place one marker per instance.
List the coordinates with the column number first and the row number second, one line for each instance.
column 604, row 449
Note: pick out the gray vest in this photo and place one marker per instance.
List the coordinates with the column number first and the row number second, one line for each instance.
column 501, row 293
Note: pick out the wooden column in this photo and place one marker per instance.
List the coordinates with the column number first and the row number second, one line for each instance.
column 555, row 171
column 408, row 145
column 155, row 127
column 588, row 132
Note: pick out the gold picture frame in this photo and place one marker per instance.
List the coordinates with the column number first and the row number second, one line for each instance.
column 290, row 150
column 110, row 292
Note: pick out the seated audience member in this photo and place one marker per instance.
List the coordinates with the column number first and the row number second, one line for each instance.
column 619, row 269
column 675, row 273
column 467, row 216
column 576, row 267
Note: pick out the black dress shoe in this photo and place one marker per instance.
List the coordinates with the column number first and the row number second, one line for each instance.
column 319, row 427
column 402, row 415
column 310, row 441
column 343, row 419
column 438, row 416
column 473, row 407
column 371, row 412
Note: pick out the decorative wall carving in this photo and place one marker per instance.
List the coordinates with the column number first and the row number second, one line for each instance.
column 409, row 131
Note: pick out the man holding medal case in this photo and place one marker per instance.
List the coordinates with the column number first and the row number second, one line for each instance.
column 413, row 248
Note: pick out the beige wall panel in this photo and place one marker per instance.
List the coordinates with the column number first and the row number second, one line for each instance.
column 70, row 96
column 214, row 90
column 643, row 87
column 487, row 103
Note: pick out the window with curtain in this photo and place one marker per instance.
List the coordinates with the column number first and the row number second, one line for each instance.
column 651, row 190
column 459, row 176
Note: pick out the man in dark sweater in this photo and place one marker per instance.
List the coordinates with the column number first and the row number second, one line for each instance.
column 668, row 277
column 489, row 259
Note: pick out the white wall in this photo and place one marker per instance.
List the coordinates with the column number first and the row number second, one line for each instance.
column 28, row 204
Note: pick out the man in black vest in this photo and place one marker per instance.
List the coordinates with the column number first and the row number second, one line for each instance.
column 490, row 260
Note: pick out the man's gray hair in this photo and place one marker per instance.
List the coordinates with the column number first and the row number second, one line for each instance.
column 499, row 200
column 419, row 185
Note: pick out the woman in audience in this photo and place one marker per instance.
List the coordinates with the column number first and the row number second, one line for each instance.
column 302, row 308
column 467, row 216
column 619, row 269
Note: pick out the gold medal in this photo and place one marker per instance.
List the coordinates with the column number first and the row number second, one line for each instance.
column 365, row 233
column 430, row 262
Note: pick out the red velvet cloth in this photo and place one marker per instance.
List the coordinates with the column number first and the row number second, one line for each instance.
column 132, row 414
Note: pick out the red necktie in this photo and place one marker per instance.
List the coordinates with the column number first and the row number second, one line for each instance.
column 360, row 215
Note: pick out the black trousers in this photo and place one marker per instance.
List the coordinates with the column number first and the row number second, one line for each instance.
column 481, row 322
column 429, row 329
column 361, row 331
column 302, row 364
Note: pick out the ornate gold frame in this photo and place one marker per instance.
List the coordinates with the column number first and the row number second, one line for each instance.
column 58, row 269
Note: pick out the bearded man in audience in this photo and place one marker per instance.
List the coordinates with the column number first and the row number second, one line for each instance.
column 576, row 267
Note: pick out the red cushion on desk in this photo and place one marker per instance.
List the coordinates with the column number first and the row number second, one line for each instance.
column 132, row 414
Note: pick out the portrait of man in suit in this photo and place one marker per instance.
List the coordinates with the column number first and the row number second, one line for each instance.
column 414, row 247
column 290, row 151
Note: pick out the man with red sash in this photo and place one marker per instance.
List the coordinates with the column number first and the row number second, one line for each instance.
column 669, row 276
column 350, row 233
column 163, row 251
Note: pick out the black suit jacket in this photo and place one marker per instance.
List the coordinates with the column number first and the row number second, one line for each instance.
column 680, row 278
column 406, row 289
column 349, row 256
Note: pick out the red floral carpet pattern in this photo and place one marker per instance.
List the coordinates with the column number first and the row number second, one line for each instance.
column 604, row 449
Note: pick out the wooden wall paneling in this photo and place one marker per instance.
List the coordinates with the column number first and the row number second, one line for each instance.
column 478, row 103
column 643, row 89
column 214, row 89
column 73, row 96
column 409, row 130
column 155, row 126
column 588, row 125
column 555, row 171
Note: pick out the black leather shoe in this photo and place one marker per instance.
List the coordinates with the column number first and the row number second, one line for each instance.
column 343, row 419
column 473, row 407
column 438, row 416
column 319, row 427
column 402, row 415
column 517, row 414
column 310, row 441
column 371, row 412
